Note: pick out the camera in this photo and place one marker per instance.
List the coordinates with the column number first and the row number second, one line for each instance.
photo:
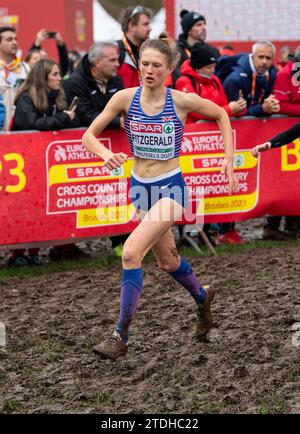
column 51, row 34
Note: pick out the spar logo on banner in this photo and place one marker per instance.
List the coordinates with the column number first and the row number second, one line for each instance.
column 201, row 161
column 79, row 183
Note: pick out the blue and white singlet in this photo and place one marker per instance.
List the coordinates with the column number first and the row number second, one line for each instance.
column 156, row 137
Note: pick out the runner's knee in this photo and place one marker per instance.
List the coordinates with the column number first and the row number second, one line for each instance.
column 130, row 258
column 168, row 264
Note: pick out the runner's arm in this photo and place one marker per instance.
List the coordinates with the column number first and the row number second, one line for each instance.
column 286, row 137
column 194, row 103
column 209, row 109
column 277, row 141
column 115, row 106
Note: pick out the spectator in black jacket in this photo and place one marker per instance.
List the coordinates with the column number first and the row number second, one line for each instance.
column 40, row 101
column 95, row 81
column 41, row 105
column 194, row 32
column 41, row 36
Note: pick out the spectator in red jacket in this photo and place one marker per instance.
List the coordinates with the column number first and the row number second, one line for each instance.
column 287, row 86
column 136, row 27
column 197, row 76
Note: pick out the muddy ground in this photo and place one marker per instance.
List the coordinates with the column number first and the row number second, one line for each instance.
column 249, row 364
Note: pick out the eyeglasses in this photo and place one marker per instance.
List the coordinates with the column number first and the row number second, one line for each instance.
column 137, row 10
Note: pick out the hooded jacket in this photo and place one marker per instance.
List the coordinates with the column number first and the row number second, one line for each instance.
column 185, row 49
column 91, row 100
column 286, row 92
column 241, row 79
column 209, row 88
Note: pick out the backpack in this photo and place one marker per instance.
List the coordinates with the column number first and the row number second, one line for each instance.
column 194, row 83
column 122, row 51
column 225, row 65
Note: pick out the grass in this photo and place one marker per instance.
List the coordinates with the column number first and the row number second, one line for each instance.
column 213, row 408
column 50, row 268
column 265, row 409
column 11, row 406
column 113, row 260
column 280, row 407
column 102, row 397
column 54, row 352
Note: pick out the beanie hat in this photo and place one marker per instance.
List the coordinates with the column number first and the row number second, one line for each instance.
column 188, row 19
column 201, row 55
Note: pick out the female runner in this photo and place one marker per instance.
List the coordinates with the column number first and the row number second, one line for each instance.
column 155, row 117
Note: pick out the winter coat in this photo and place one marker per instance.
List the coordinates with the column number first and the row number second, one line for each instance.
column 28, row 118
column 91, row 100
column 286, row 92
column 209, row 88
column 241, row 78
column 128, row 70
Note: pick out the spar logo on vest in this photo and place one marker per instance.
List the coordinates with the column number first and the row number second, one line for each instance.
column 168, row 128
column 153, row 140
column 139, row 127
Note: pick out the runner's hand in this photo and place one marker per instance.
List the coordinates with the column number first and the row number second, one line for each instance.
column 115, row 160
column 227, row 168
column 260, row 148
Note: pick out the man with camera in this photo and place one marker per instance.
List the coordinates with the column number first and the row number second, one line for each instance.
column 44, row 34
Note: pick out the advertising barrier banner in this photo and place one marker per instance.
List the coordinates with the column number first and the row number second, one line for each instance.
column 53, row 189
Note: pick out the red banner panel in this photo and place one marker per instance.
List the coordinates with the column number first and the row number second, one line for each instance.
column 73, row 19
column 53, row 189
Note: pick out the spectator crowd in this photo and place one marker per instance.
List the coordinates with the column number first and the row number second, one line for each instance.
column 39, row 94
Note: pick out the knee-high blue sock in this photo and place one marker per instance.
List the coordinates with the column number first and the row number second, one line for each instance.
column 130, row 293
column 187, row 278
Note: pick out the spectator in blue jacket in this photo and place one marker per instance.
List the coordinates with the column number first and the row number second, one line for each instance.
column 2, row 112
column 253, row 78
